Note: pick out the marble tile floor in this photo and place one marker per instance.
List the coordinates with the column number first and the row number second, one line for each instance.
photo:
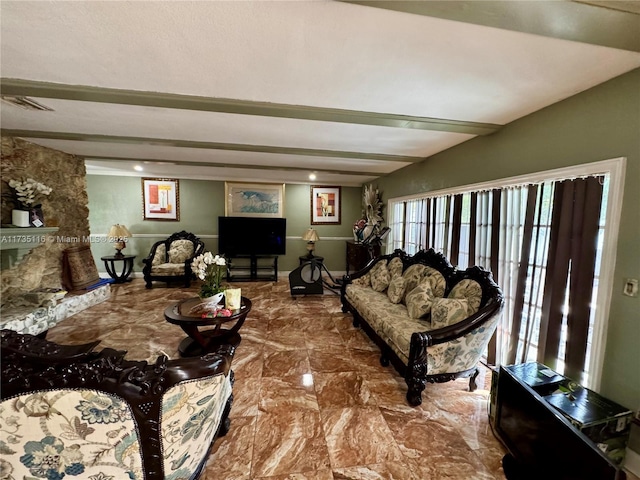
column 312, row 401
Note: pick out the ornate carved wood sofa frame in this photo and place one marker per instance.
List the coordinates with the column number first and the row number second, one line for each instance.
column 419, row 350
column 170, row 260
column 69, row 410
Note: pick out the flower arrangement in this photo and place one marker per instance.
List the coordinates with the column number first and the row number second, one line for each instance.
column 211, row 270
column 29, row 193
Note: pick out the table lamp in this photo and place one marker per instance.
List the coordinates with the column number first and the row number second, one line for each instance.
column 311, row 237
column 119, row 234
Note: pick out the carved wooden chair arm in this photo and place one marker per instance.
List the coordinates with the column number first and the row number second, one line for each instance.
column 43, row 351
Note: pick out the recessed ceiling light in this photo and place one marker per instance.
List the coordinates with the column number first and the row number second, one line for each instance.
column 138, row 168
column 312, row 176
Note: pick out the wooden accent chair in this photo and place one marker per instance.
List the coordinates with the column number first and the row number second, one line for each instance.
column 170, row 260
column 69, row 411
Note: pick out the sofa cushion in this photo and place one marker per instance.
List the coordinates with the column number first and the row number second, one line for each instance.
column 397, row 333
column 447, row 311
column 413, row 274
column 180, row 251
column 380, row 277
column 469, row 290
column 396, row 289
column 395, row 266
column 420, row 299
column 374, row 306
column 363, row 281
column 168, row 269
column 438, row 283
column 160, row 256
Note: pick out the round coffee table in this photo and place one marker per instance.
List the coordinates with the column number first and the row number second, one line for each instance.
column 200, row 342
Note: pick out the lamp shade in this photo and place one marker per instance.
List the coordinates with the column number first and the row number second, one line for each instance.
column 310, row 235
column 117, row 232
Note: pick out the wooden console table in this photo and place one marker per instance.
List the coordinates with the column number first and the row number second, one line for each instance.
column 359, row 254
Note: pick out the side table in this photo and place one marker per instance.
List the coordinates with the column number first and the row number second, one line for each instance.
column 127, row 267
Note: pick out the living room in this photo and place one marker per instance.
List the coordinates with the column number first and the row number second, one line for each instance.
column 582, row 126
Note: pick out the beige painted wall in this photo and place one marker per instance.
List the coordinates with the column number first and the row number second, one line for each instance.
column 599, row 124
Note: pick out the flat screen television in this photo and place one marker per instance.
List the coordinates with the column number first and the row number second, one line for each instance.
column 249, row 236
column 541, row 441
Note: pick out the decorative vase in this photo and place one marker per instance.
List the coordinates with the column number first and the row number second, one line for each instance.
column 215, row 299
column 20, row 218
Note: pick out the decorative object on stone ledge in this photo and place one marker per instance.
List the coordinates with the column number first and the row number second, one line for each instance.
column 79, row 270
column 27, row 197
column 368, row 226
column 20, row 218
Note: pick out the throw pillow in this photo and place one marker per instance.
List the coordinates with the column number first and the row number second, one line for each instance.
column 395, row 266
column 380, row 276
column 413, row 275
column 180, row 251
column 438, row 283
column 160, row 255
column 395, row 292
column 363, row 281
column 469, row 290
column 448, row 311
column 419, row 300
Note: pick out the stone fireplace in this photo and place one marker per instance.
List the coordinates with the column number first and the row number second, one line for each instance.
column 65, row 208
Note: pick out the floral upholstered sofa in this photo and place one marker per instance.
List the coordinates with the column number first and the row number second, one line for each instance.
column 432, row 321
column 69, row 412
column 170, row 260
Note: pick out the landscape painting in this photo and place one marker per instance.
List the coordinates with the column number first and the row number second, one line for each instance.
column 254, row 200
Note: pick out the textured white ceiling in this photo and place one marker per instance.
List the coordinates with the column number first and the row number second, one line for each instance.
column 314, row 53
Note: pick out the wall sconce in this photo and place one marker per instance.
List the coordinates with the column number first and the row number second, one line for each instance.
column 119, row 234
column 311, row 237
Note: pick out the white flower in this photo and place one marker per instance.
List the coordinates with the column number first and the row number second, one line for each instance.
column 29, row 192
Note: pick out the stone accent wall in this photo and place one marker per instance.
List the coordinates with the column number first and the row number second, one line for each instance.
column 66, row 207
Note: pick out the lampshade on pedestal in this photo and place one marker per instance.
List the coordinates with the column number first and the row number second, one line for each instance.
column 119, row 234
column 311, row 237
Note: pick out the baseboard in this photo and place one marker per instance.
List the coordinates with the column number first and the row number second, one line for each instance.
column 632, row 462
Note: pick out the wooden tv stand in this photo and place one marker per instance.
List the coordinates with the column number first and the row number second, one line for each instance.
column 252, row 268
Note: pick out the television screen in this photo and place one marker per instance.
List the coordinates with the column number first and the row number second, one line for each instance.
column 242, row 236
column 543, row 443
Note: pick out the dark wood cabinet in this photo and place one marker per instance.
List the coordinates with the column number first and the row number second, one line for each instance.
column 359, row 254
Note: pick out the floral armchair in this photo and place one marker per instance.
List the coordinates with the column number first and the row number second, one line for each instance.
column 67, row 411
column 170, row 260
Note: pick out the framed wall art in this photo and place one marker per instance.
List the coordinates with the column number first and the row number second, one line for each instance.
column 325, row 205
column 254, row 200
column 160, row 199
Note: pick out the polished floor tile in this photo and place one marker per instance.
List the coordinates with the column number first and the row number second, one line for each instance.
column 311, row 400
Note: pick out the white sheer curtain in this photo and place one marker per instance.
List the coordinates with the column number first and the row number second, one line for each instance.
column 396, row 223
column 483, row 230
column 415, row 226
column 513, row 202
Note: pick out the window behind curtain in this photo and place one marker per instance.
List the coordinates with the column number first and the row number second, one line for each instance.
column 490, row 228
